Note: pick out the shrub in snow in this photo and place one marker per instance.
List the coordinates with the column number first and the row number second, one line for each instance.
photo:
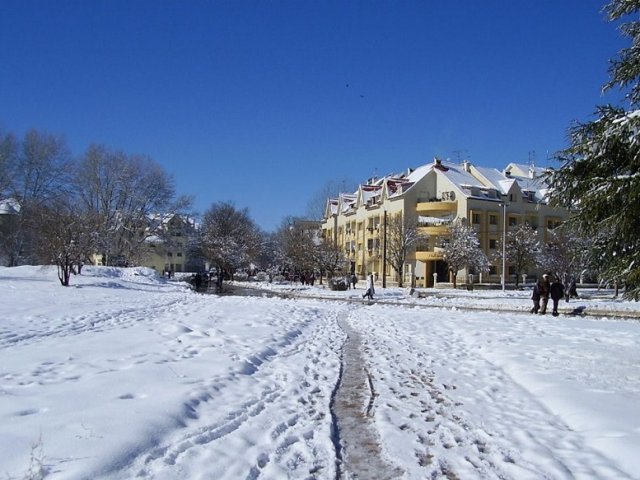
column 262, row 277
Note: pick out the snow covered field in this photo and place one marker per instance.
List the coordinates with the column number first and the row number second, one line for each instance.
column 124, row 375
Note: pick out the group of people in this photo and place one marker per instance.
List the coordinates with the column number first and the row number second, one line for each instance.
column 351, row 280
column 203, row 280
column 544, row 289
column 307, row 278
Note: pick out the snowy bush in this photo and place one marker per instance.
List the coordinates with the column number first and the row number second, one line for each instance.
column 338, row 283
column 262, row 277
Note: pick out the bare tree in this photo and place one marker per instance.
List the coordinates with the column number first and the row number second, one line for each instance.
column 331, row 189
column 40, row 175
column 403, row 233
column 9, row 221
column 8, row 156
column 230, row 239
column 66, row 236
column 125, row 192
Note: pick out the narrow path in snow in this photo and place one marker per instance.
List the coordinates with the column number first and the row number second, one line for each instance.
column 352, row 406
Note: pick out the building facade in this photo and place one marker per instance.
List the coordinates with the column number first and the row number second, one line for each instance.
column 169, row 250
column 436, row 194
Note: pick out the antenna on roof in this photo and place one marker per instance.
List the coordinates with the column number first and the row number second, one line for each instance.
column 532, row 158
column 374, row 178
column 459, row 154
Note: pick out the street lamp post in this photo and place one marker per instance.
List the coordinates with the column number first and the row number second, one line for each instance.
column 504, row 246
column 384, row 252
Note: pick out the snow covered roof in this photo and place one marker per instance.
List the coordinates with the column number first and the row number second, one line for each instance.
column 504, row 181
column 459, row 176
column 370, row 192
column 471, row 181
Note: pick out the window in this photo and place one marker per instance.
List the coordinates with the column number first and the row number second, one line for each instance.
column 493, row 219
column 179, row 254
column 475, row 218
column 492, row 270
column 169, row 254
column 513, row 221
column 551, row 224
column 492, row 243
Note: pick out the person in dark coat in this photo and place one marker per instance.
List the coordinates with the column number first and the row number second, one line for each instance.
column 535, row 296
column 543, row 289
column 354, row 280
column 556, row 291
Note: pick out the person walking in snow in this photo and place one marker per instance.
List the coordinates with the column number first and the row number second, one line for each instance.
column 543, row 289
column 370, row 288
column 535, row 296
column 354, row 280
column 556, row 291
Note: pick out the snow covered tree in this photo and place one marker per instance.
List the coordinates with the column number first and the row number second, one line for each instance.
column 599, row 179
column 270, row 257
column 298, row 244
column 522, row 250
column 462, row 250
column 402, row 234
column 230, row 239
column 567, row 254
column 329, row 258
column 625, row 70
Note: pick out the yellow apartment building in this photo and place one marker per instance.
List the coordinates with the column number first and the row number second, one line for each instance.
column 437, row 194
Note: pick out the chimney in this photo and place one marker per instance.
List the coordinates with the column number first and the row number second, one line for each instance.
column 466, row 164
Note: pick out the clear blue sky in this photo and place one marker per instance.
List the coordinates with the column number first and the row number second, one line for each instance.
column 247, row 101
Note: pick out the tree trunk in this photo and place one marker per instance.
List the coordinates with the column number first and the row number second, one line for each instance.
column 64, row 273
column 399, row 270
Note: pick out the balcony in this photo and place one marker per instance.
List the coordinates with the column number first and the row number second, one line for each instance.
column 437, row 206
column 434, row 229
column 426, row 256
column 435, row 225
